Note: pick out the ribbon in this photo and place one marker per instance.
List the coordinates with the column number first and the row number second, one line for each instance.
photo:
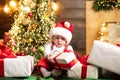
column 68, row 65
column 1, row 67
column 2, row 44
column 118, row 44
column 84, row 71
column 20, row 54
column 7, row 53
column 56, row 63
column 83, row 59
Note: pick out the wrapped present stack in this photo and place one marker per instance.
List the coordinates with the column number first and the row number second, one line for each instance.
column 12, row 65
column 75, row 68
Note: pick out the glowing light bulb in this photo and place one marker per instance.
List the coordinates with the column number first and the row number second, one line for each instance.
column 27, row 9
column 12, row 3
column 54, row 6
column 6, row 9
column 103, row 24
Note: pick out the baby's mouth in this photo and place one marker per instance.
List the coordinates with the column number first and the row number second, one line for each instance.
column 59, row 43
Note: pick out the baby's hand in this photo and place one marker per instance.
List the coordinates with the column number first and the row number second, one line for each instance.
column 48, row 56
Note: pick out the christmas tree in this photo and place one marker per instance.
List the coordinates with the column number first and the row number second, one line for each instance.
column 32, row 22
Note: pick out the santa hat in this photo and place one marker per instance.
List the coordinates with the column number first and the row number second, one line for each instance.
column 63, row 28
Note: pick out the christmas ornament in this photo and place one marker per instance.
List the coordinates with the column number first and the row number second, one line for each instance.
column 25, row 21
column 26, row 48
column 26, row 2
column 33, row 49
column 30, row 15
column 33, row 26
column 33, row 5
column 37, row 35
column 40, row 48
column 30, row 40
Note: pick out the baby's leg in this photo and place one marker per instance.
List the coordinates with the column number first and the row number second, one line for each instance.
column 45, row 72
column 56, row 72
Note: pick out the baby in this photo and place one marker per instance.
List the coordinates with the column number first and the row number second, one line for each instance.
column 60, row 36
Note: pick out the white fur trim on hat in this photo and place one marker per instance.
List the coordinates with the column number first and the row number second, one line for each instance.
column 62, row 32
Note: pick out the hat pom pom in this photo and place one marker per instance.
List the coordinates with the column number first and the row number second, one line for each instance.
column 67, row 24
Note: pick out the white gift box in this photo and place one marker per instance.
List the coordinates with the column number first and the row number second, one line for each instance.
column 83, row 71
column 105, row 55
column 22, row 66
column 64, row 60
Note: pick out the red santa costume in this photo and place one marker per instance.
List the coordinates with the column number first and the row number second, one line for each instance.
column 63, row 29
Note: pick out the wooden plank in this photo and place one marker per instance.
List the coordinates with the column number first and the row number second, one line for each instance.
column 72, row 3
column 72, row 13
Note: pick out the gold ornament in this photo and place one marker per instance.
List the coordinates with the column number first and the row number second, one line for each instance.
column 103, row 33
column 30, row 40
column 33, row 26
column 26, row 2
column 25, row 21
column 33, row 49
column 33, row 5
column 26, row 49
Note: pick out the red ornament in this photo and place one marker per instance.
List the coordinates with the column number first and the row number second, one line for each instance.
column 33, row 49
column 30, row 14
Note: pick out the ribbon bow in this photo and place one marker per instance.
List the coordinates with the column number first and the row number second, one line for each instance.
column 83, row 59
column 7, row 53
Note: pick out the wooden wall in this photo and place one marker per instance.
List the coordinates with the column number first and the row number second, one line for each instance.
column 94, row 21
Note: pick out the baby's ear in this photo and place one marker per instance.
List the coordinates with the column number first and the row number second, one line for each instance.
column 52, row 37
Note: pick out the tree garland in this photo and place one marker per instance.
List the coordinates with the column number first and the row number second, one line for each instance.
column 105, row 5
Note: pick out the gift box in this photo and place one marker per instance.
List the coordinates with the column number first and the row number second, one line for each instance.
column 83, row 71
column 64, row 60
column 21, row 66
column 105, row 55
column 32, row 77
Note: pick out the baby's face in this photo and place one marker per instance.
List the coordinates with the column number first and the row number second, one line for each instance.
column 59, row 41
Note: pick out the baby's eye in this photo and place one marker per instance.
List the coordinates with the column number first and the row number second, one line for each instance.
column 62, row 38
column 57, row 37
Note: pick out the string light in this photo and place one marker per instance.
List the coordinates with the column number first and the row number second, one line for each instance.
column 10, row 6
column 54, row 6
column 103, row 34
column 12, row 3
column 6, row 9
